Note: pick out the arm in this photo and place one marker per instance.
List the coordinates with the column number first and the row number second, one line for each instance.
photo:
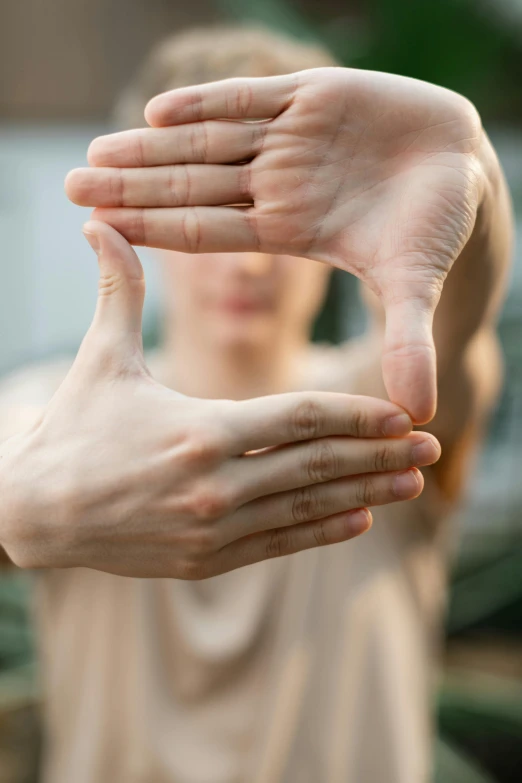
column 468, row 353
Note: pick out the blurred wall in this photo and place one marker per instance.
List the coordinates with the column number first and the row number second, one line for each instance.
column 49, row 272
column 68, row 58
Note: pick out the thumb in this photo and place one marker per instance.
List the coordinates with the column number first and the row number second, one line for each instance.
column 121, row 291
column 409, row 361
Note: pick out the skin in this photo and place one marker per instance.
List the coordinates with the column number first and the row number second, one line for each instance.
column 122, row 474
column 290, row 176
column 377, row 174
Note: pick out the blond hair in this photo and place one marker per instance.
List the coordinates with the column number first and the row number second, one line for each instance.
column 209, row 54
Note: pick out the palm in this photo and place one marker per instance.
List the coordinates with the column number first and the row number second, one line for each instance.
column 372, row 173
column 384, row 192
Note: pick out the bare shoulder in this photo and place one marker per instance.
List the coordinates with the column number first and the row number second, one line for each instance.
column 25, row 391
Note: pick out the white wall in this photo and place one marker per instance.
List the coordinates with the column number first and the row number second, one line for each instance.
column 48, row 272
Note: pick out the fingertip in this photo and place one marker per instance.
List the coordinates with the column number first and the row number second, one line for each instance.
column 113, row 245
column 423, row 411
column 359, row 521
column 153, row 110
column 72, row 186
column 94, row 156
column 408, row 485
column 91, row 235
column 96, row 227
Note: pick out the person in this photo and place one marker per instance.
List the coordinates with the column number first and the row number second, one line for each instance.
column 315, row 667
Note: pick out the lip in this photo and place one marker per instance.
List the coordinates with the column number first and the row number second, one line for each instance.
column 244, row 305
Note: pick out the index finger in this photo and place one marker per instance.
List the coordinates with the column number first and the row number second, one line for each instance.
column 240, row 99
column 286, row 418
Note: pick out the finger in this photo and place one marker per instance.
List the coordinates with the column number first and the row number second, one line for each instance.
column 187, row 229
column 285, row 418
column 322, row 500
column 409, row 360
column 250, row 98
column 159, row 186
column 299, row 465
column 289, row 540
column 122, row 284
column 205, row 142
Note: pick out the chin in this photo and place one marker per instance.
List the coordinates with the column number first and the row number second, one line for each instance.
column 253, row 335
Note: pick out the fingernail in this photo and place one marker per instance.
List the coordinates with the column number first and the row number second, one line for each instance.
column 425, row 453
column 397, row 425
column 93, row 241
column 359, row 521
column 406, row 484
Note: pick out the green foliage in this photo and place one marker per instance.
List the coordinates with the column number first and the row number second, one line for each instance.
column 464, row 45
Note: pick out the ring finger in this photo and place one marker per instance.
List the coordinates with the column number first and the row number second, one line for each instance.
column 322, row 500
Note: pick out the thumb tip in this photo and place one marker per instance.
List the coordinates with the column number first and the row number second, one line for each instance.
column 91, row 235
column 112, row 249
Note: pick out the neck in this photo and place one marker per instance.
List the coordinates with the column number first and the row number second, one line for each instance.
column 233, row 373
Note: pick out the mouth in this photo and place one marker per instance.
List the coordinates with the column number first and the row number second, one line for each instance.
column 244, row 305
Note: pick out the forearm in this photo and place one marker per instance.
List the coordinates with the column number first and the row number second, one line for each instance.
column 469, row 357
column 13, row 421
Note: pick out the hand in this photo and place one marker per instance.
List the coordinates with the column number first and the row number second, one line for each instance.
column 379, row 175
column 124, row 475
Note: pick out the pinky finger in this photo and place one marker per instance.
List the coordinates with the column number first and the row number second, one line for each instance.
column 289, row 540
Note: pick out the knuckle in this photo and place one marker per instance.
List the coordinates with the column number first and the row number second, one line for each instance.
column 382, row 459
column 199, row 143
column 259, row 131
column 191, row 230
column 208, row 504
column 365, row 492
column 244, row 181
column 138, row 226
column 305, row 505
column 110, row 284
column 201, row 450
column 319, row 533
column 305, row 420
column 278, row 544
column 136, row 149
column 240, row 101
column 359, row 423
column 322, row 463
column 116, row 185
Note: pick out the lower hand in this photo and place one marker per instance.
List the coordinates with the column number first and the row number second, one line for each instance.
column 124, row 475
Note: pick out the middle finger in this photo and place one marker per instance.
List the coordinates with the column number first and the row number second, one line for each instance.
column 160, row 186
column 314, row 462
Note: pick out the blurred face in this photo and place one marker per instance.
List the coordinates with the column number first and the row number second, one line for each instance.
column 243, row 300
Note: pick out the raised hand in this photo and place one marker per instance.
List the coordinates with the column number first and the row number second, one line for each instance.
column 377, row 174
column 121, row 474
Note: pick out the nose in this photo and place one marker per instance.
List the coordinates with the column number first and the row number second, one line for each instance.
column 257, row 264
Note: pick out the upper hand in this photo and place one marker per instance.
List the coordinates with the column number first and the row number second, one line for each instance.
column 377, row 174
column 124, row 475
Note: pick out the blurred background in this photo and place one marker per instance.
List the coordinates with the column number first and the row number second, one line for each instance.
column 63, row 62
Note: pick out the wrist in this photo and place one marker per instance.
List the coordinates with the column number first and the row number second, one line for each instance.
column 18, row 502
